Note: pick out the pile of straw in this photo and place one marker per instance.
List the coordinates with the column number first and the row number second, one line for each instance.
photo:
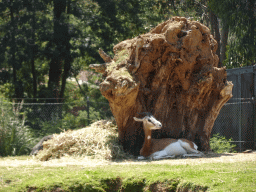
column 99, row 140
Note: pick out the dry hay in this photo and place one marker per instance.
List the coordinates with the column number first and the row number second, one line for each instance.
column 99, row 140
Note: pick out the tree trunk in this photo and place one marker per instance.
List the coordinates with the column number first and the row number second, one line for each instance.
column 172, row 73
column 13, row 49
column 215, row 28
column 251, row 38
column 18, row 87
column 33, row 70
column 59, row 36
column 224, row 41
column 34, row 76
column 67, row 57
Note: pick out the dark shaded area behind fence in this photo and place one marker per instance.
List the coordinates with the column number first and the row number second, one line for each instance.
column 42, row 114
column 237, row 117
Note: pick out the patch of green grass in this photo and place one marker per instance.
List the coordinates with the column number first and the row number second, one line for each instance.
column 123, row 73
column 122, row 55
column 239, row 176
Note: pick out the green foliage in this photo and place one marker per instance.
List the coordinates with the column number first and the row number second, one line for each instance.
column 219, row 144
column 30, row 45
column 240, row 17
column 73, row 122
column 82, row 117
column 31, row 35
column 6, row 90
column 74, row 37
column 56, row 124
column 99, row 108
column 45, row 117
column 15, row 137
column 50, row 127
column 69, row 121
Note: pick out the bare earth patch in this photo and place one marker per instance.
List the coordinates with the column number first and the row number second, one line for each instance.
column 88, row 162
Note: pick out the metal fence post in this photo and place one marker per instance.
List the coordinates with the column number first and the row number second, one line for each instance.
column 88, row 110
column 239, row 84
column 253, row 108
column 253, row 122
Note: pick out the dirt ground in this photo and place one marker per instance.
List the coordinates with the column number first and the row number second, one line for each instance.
column 88, row 162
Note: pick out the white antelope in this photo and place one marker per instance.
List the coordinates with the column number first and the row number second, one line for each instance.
column 166, row 147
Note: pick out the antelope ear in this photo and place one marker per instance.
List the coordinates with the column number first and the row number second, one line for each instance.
column 137, row 119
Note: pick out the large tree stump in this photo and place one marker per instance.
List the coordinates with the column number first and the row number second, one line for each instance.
column 172, row 73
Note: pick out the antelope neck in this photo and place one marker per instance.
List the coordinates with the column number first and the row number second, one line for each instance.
column 146, row 149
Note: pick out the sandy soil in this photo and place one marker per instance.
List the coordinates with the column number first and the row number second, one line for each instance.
column 87, row 162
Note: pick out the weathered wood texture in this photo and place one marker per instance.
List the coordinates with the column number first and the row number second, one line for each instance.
column 172, row 73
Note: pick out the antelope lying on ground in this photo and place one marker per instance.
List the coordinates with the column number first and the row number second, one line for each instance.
column 163, row 148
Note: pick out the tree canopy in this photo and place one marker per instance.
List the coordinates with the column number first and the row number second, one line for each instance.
column 240, row 17
column 44, row 42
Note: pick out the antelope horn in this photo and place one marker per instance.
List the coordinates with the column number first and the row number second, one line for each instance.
column 145, row 113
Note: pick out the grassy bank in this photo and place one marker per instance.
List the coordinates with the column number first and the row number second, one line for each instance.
column 134, row 176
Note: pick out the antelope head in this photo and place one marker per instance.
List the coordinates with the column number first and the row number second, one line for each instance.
column 149, row 121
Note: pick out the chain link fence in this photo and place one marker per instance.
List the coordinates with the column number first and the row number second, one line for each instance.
column 44, row 116
column 236, row 121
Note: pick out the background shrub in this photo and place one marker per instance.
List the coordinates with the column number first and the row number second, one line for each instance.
column 15, row 137
column 219, row 144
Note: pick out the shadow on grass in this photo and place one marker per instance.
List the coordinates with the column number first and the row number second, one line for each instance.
column 131, row 184
column 207, row 156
